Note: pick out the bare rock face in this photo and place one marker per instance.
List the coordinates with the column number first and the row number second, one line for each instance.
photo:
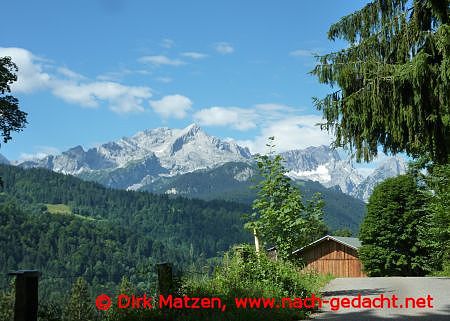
column 324, row 165
column 392, row 167
column 146, row 155
column 150, row 155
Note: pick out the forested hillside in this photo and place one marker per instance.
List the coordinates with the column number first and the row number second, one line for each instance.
column 230, row 182
column 67, row 227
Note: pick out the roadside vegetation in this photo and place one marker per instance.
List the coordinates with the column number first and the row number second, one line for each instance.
column 242, row 274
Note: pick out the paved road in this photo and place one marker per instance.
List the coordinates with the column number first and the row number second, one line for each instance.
column 402, row 287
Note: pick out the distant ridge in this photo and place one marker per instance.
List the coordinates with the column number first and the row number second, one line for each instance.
column 145, row 160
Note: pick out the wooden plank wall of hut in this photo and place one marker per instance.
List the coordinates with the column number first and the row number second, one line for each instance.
column 334, row 258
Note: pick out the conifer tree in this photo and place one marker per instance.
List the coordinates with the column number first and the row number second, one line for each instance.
column 434, row 234
column 393, row 80
column 79, row 306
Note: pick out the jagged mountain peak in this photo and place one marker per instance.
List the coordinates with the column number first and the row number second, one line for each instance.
column 177, row 150
column 394, row 164
column 310, row 158
column 137, row 161
column 186, row 135
column 391, row 167
column 192, row 129
column 322, row 164
column 76, row 151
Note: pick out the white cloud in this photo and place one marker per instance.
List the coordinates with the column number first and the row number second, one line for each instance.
column 238, row 118
column 30, row 76
column 224, row 48
column 242, row 118
column 194, row 55
column 273, row 107
column 120, row 98
column 175, row 106
column 291, row 132
column 41, row 152
column 120, row 74
column 301, row 53
column 70, row 73
column 167, row 43
column 114, row 75
column 161, row 60
column 164, row 80
column 72, row 86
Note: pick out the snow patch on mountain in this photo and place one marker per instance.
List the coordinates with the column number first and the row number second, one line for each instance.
column 320, row 174
column 151, row 155
column 324, row 165
column 177, row 151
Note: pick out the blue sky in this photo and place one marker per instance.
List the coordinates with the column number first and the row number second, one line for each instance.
column 94, row 71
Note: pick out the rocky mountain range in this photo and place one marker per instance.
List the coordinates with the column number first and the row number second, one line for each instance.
column 324, row 165
column 152, row 158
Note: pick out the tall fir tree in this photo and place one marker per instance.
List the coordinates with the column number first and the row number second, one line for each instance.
column 79, row 307
column 393, row 79
column 434, row 234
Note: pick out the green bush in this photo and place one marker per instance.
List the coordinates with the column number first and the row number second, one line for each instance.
column 245, row 274
column 7, row 305
column 241, row 274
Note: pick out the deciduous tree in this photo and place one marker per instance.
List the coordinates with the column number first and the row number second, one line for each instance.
column 390, row 230
column 11, row 117
column 280, row 216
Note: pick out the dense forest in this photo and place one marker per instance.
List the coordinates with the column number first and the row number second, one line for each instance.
column 341, row 211
column 68, row 228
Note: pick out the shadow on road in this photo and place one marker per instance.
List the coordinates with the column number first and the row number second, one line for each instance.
column 369, row 315
column 363, row 292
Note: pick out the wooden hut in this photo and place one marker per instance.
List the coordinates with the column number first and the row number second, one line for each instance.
column 333, row 254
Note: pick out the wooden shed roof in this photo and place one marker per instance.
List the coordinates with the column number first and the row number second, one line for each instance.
column 351, row 242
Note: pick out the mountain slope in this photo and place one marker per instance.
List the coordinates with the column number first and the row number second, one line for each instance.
column 392, row 167
column 234, row 181
column 147, row 155
column 324, row 165
column 67, row 227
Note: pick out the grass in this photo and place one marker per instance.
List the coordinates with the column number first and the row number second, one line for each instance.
column 58, row 208
column 63, row 209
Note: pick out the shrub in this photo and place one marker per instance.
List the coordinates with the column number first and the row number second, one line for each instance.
column 244, row 274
